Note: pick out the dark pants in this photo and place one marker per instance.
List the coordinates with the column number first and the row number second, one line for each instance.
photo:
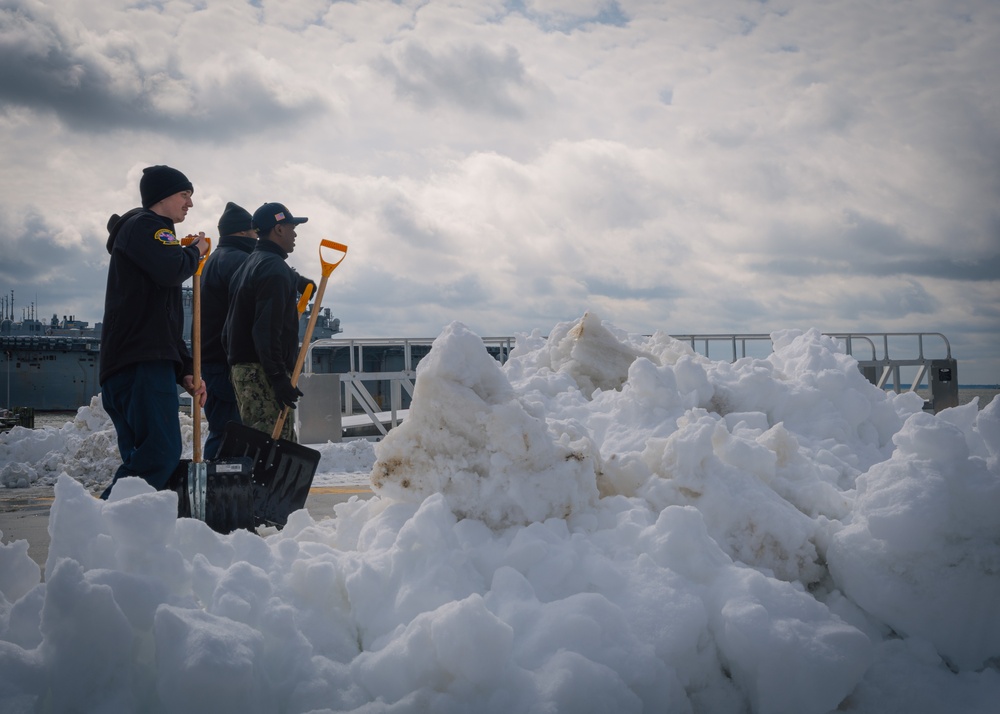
column 220, row 405
column 143, row 405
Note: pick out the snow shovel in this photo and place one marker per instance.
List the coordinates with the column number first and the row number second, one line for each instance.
column 283, row 471
column 217, row 493
column 197, row 475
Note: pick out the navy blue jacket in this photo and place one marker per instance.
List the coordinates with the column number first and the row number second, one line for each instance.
column 143, row 312
column 215, row 277
column 263, row 320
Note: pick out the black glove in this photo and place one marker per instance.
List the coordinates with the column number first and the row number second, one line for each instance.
column 303, row 282
column 286, row 393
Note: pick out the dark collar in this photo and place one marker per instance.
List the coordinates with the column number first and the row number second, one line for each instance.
column 244, row 243
column 269, row 246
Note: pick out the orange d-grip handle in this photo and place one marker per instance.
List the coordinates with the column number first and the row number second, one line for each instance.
column 188, row 240
column 328, row 267
column 334, row 245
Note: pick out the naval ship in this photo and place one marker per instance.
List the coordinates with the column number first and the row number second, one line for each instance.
column 54, row 365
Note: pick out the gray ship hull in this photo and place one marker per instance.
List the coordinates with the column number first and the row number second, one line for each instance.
column 55, row 366
column 49, row 373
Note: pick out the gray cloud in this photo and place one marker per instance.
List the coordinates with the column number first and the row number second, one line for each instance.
column 937, row 265
column 473, row 78
column 43, row 70
column 940, row 266
column 401, row 218
column 869, row 247
column 893, row 302
column 462, row 292
column 56, row 277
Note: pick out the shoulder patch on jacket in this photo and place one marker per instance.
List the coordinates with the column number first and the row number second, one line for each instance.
column 166, row 236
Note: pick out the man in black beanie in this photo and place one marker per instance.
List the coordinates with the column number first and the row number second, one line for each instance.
column 261, row 335
column 143, row 354
column 236, row 241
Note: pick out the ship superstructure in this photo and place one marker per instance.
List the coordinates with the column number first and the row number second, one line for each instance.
column 53, row 365
column 47, row 365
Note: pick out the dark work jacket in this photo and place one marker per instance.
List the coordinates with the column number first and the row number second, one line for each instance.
column 215, row 277
column 263, row 320
column 143, row 312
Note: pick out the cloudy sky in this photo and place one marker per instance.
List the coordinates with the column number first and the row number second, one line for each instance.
column 684, row 166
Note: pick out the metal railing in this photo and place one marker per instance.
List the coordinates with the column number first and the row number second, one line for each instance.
column 889, row 365
column 876, row 363
column 880, row 368
column 356, row 383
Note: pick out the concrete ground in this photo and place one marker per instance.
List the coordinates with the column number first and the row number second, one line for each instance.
column 24, row 513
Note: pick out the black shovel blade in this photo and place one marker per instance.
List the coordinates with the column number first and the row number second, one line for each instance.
column 239, row 440
column 178, row 484
column 222, row 489
column 283, row 471
column 284, row 481
column 229, row 495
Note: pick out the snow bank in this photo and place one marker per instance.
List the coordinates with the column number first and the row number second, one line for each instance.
column 608, row 522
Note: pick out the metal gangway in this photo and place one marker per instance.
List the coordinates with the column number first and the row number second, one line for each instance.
column 351, row 401
column 936, row 371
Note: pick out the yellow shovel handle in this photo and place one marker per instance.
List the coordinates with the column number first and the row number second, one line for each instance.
column 328, row 268
column 196, row 347
column 304, row 300
column 188, row 240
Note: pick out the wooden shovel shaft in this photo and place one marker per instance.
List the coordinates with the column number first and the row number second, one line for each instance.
column 196, row 347
column 328, row 269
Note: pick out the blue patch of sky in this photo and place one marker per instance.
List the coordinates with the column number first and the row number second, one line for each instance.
column 610, row 13
column 667, row 96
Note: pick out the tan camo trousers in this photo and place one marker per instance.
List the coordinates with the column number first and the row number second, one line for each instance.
column 259, row 408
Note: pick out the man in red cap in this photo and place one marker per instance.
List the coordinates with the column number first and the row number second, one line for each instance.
column 143, row 353
column 261, row 334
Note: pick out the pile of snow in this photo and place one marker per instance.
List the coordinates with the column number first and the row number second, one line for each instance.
column 607, row 522
column 87, row 450
column 86, row 447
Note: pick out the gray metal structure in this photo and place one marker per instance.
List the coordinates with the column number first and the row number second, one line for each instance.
column 54, row 365
column 939, row 372
column 381, row 394
column 318, row 414
column 49, row 366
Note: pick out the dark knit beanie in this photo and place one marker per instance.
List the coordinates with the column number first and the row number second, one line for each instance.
column 235, row 219
column 160, row 182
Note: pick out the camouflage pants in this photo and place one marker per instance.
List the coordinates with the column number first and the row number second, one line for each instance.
column 259, row 408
